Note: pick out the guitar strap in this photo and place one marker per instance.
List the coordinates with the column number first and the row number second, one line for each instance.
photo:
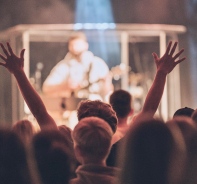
column 88, row 74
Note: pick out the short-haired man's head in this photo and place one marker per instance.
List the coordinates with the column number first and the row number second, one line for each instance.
column 97, row 108
column 121, row 100
column 77, row 43
column 186, row 111
column 93, row 136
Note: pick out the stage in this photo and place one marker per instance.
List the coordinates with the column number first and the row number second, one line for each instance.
column 130, row 59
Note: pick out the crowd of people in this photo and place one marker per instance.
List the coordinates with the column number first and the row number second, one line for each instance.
column 108, row 145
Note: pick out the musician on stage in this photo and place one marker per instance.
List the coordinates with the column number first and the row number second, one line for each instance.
column 80, row 73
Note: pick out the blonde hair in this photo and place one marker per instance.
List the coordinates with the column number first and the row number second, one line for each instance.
column 93, row 136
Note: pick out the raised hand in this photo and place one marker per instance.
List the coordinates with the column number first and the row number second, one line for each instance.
column 15, row 65
column 165, row 65
column 167, row 62
column 11, row 61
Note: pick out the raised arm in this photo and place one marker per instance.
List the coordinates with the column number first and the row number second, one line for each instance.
column 15, row 65
column 164, row 65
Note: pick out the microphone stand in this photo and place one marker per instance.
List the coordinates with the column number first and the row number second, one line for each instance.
column 38, row 76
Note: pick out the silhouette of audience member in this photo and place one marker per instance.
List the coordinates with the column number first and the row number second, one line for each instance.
column 152, row 154
column 186, row 111
column 190, row 176
column 147, row 158
column 187, row 127
column 164, row 65
column 97, row 108
column 14, row 167
column 120, row 101
column 92, row 142
column 15, row 65
column 189, row 131
column 25, row 130
column 54, row 159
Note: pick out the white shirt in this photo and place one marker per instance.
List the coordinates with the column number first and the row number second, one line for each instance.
column 70, row 74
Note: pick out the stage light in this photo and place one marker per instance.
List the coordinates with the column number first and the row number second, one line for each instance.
column 97, row 15
column 97, row 26
column 94, row 11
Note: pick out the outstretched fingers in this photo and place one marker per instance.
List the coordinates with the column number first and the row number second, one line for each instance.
column 173, row 48
column 2, row 57
column 155, row 56
column 178, row 54
column 2, row 64
column 180, row 60
column 168, row 48
column 22, row 53
column 10, row 49
column 4, row 50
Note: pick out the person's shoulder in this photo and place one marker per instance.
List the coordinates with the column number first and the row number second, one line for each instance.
column 94, row 58
column 67, row 58
column 65, row 61
column 98, row 59
column 98, row 62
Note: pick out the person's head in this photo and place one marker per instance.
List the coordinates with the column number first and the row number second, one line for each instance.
column 53, row 157
column 148, row 154
column 187, row 126
column 97, row 108
column 189, row 131
column 66, row 131
column 92, row 140
column 77, row 43
column 186, row 111
column 13, row 159
column 121, row 101
column 24, row 129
